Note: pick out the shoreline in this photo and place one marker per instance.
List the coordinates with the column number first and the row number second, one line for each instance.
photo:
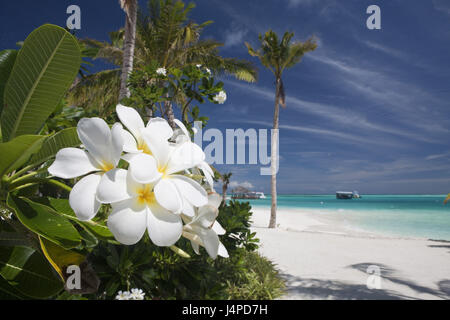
column 322, row 260
column 321, row 220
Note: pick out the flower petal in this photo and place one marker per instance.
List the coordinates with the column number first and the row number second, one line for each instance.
column 195, row 247
column 72, row 163
column 166, row 193
column 128, row 221
column 188, row 209
column 143, row 169
column 223, row 252
column 129, row 142
column 113, row 187
column 117, row 143
column 206, row 217
column 95, row 135
column 82, row 198
column 218, row 229
column 185, row 156
column 158, row 145
column 214, row 199
column 161, row 127
column 131, row 119
column 208, row 173
column 183, row 128
column 164, row 227
column 210, row 241
column 190, row 190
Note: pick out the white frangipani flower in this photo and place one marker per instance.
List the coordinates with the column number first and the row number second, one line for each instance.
column 183, row 136
column 203, row 229
column 133, row 142
column 221, row 97
column 199, row 66
column 208, row 71
column 137, row 294
column 135, row 208
column 103, row 151
column 161, row 71
column 123, row 295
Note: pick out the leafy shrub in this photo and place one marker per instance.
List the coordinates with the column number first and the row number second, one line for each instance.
column 30, row 198
column 260, row 281
column 162, row 274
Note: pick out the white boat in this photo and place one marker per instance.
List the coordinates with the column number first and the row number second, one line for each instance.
column 261, row 195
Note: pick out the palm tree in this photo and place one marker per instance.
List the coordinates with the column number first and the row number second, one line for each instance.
column 225, row 182
column 130, row 8
column 278, row 56
column 164, row 34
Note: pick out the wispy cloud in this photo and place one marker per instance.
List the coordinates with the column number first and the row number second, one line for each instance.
column 406, row 102
column 244, row 184
column 296, row 3
column 344, row 117
column 438, row 156
column 442, row 5
column 235, row 36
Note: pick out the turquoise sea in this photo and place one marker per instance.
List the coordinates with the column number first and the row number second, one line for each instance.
column 415, row 216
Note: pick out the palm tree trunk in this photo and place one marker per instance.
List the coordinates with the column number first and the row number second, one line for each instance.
column 149, row 113
column 168, row 109
column 274, row 152
column 224, row 193
column 128, row 47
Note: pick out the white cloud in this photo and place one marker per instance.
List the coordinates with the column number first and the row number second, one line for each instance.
column 296, row 3
column 437, row 156
column 245, row 184
column 403, row 101
column 442, row 5
column 235, row 37
column 341, row 116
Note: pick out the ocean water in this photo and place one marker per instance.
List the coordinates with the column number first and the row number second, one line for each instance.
column 411, row 216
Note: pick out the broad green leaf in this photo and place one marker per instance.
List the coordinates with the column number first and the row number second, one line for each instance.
column 8, row 292
column 66, row 138
column 15, row 153
column 45, row 67
column 62, row 207
column 7, row 58
column 10, row 239
column 45, row 222
column 27, row 271
column 59, row 257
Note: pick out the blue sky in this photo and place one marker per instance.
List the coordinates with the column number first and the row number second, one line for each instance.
column 368, row 110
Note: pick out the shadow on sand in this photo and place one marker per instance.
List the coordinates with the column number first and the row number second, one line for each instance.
column 304, row 288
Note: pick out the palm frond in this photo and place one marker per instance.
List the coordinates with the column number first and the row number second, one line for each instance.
column 96, row 92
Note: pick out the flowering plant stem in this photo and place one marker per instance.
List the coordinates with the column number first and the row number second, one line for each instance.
column 24, row 183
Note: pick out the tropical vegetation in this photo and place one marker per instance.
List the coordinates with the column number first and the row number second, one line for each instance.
column 166, row 35
column 107, row 197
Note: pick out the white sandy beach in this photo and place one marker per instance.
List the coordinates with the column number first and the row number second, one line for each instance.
column 325, row 259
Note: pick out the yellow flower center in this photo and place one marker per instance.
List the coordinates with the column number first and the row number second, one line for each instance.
column 146, row 195
column 163, row 170
column 106, row 166
column 143, row 147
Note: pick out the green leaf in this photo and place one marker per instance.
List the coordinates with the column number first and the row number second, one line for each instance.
column 45, row 67
column 66, row 138
column 16, row 152
column 62, row 206
column 27, row 271
column 59, row 257
column 45, row 222
column 10, row 239
column 7, row 59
